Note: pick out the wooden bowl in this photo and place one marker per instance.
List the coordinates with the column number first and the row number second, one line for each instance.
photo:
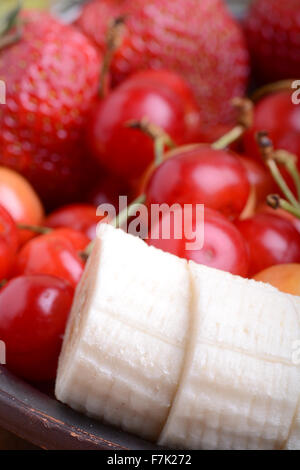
column 47, row 423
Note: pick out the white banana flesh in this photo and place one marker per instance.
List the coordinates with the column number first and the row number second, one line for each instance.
column 239, row 389
column 125, row 341
column 179, row 353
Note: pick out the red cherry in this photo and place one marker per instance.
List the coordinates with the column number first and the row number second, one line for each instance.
column 202, row 175
column 264, row 208
column 33, row 314
column 277, row 114
column 260, row 178
column 55, row 253
column 80, row 217
column 9, row 241
column 107, row 191
column 128, row 152
column 271, row 240
column 223, row 247
column 172, row 82
column 78, row 240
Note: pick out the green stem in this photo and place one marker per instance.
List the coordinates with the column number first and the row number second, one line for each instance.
column 276, row 202
column 229, row 138
column 117, row 222
column 294, row 173
column 121, row 218
column 272, row 165
column 35, row 228
column 114, row 39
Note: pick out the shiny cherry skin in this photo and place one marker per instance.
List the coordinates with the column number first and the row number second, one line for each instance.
column 107, row 191
column 78, row 240
column 264, row 208
column 173, row 82
column 201, row 175
column 127, row 152
column 33, row 314
column 223, row 248
column 277, row 114
column 21, row 201
column 55, row 254
column 9, row 241
column 259, row 178
column 271, row 240
column 80, row 217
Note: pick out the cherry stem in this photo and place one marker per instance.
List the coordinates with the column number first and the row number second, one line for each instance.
column 35, row 228
column 117, row 222
column 157, row 134
column 3, row 283
column 245, row 121
column 269, row 156
column 122, row 217
column 282, row 85
column 276, row 202
column 113, row 42
column 289, row 161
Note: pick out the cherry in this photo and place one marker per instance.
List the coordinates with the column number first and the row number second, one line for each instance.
column 21, row 201
column 78, row 240
column 264, row 208
column 54, row 253
column 201, row 175
column 80, row 217
column 124, row 151
column 9, row 241
column 223, row 247
column 33, row 314
column 277, row 114
column 107, row 191
column 172, row 81
column 271, row 240
column 260, row 178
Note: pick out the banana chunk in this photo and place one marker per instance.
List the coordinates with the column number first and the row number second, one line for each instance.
column 239, row 388
column 125, row 341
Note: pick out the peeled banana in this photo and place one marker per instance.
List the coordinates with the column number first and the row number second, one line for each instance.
column 181, row 354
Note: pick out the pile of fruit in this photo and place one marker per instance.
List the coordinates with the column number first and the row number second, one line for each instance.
column 136, row 98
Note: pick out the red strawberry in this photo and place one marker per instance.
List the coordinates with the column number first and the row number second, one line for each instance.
column 273, row 32
column 198, row 40
column 52, row 76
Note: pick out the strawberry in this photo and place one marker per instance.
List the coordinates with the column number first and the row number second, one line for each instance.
column 52, row 77
column 273, row 32
column 197, row 39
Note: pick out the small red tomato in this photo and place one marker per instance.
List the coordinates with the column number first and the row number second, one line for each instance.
column 201, row 175
column 54, row 254
column 271, row 240
column 127, row 152
column 260, row 178
column 9, row 241
column 80, row 217
column 223, row 246
column 33, row 314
